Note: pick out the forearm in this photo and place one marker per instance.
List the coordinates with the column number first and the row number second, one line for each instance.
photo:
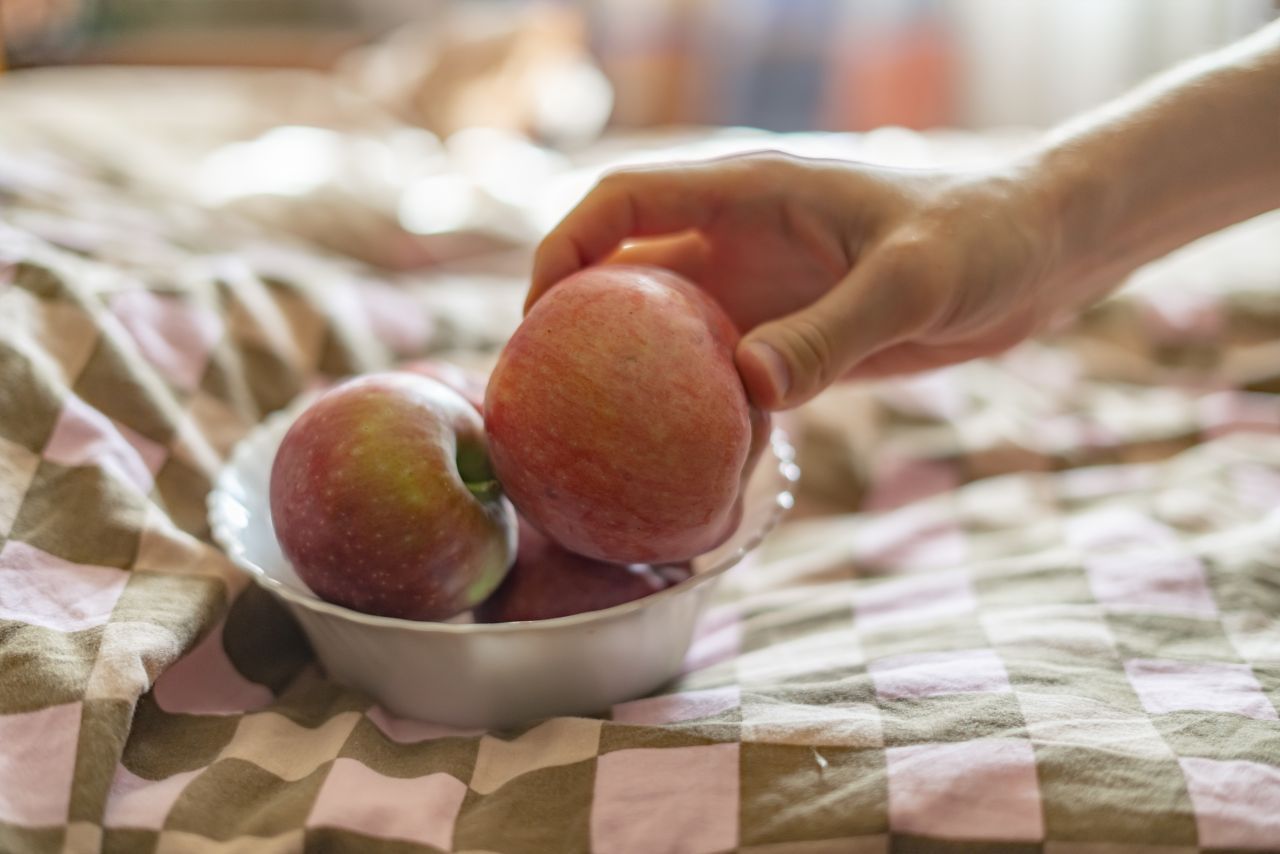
column 1185, row 155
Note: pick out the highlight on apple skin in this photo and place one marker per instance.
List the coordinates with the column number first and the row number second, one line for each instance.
column 617, row 421
column 383, row 499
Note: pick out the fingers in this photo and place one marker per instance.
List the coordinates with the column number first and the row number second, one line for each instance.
column 631, row 203
column 787, row 361
column 687, row 254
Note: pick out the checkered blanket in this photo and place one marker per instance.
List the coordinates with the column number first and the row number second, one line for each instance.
column 1029, row 604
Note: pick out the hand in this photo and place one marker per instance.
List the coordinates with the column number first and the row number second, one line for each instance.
column 830, row 268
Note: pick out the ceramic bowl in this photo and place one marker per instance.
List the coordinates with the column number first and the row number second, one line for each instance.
column 468, row 674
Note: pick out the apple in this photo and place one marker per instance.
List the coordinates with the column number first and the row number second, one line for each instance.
column 548, row 581
column 466, row 383
column 384, row 501
column 618, row 424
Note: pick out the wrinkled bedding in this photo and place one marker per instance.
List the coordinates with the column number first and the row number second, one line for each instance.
column 1029, row 603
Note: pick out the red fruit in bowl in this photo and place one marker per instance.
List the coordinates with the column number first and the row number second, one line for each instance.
column 549, row 581
column 617, row 422
column 383, row 499
column 466, row 383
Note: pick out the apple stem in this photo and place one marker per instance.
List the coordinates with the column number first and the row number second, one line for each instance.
column 485, row 489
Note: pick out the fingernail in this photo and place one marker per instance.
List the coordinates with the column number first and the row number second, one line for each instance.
column 775, row 367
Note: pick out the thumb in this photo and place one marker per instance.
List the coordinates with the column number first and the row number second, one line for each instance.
column 787, row 361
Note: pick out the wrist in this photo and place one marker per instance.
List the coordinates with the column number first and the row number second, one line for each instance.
column 1070, row 200
column 1188, row 153
column 1082, row 208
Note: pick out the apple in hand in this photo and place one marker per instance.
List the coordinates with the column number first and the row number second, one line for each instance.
column 617, row 421
column 383, row 499
column 549, row 581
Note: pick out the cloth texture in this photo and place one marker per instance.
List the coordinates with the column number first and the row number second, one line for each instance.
column 1028, row 603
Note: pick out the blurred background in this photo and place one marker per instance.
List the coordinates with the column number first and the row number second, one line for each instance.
column 416, row 151
column 782, row 65
column 452, row 134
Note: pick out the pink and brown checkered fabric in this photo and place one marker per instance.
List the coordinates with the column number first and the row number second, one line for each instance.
column 1043, row 614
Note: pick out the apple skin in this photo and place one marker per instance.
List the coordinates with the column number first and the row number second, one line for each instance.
column 618, row 424
column 384, row 502
column 466, row 383
column 549, row 581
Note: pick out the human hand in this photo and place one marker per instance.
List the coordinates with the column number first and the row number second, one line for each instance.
column 830, row 268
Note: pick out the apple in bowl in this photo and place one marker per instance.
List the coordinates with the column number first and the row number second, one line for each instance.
column 384, row 501
column 548, row 581
column 467, row 383
column 617, row 422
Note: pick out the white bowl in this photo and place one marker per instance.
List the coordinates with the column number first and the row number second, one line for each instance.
column 487, row 675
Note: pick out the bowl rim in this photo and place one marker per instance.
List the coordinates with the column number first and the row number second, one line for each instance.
column 221, row 496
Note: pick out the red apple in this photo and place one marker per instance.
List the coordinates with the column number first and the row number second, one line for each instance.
column 466, row 383
column 617, row 422
column 384, row 501
column 549, row 581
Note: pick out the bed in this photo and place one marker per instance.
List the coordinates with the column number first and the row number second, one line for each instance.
column 1028, row 603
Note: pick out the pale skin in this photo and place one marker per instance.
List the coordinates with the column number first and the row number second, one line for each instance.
column 838, row 269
